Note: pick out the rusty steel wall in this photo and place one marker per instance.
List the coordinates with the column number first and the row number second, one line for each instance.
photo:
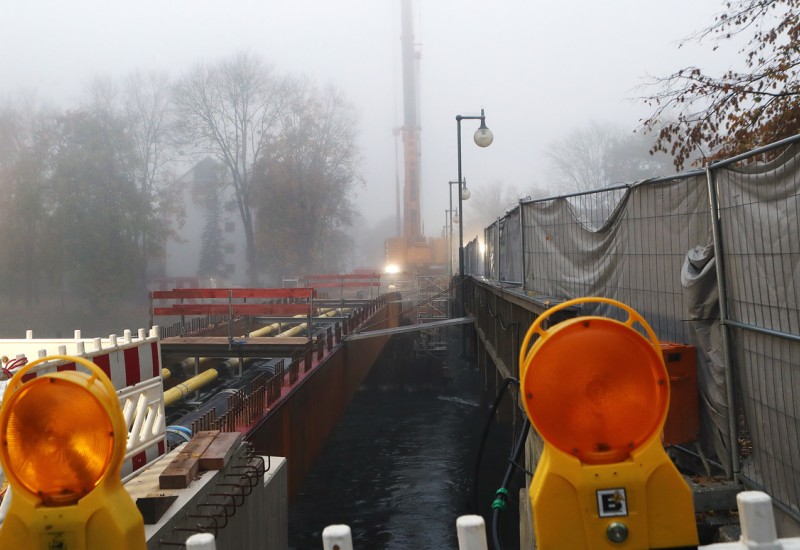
column 299, row 427
column 502, row 317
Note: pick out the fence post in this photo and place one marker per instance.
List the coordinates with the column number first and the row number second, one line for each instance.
column 522, row 241
column 230, row 319
column 716, row 230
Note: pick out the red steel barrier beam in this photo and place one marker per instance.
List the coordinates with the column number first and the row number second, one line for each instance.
column 234, row 293
column 345, row 285
column 235, row 309
column 346, row 280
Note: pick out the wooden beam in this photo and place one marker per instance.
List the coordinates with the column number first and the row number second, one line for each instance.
column 220, row 451
column 184, row 467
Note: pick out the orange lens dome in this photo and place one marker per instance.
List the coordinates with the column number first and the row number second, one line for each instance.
column 58, row 441
column 595, row 389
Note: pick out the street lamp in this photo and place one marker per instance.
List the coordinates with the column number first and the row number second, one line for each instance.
column 483, row 138
column 465, row 194
column 451, row 217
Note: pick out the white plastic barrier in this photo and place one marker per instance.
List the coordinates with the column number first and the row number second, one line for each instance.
column 132, row 362
column 757, row 521
column 471, row 535
column 337, row 537
column 201, row 541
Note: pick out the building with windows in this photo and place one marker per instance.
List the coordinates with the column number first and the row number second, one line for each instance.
column 207, row 248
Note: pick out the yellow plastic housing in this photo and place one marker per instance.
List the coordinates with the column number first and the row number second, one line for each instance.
column 63, row 442
column 597, row 391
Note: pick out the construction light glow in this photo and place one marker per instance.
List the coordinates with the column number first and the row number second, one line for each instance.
column 392, row 268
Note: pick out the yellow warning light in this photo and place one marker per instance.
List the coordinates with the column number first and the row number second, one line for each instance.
column 597, row 391
column 59, row 440
column 63, row 442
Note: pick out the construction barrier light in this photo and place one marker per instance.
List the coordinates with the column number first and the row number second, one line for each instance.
column 62, row 444
column 597, row 391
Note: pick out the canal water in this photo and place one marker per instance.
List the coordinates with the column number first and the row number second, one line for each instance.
column 399, row 467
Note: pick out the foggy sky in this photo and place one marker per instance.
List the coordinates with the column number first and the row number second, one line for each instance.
column 539, row 69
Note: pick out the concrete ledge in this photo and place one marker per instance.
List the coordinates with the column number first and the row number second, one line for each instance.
column 714, row 495
column 242, row 513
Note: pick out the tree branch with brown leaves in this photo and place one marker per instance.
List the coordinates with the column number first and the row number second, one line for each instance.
column 720, row 116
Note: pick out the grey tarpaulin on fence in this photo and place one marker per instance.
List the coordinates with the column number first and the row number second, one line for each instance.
column 490, row 260
column 511, row 247
column 701, row 302
column 624, row 244
column 760, row 228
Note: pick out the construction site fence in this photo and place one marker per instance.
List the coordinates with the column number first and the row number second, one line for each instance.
column 709, row 257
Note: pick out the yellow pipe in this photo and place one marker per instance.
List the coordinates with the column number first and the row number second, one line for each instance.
column 173, row 395
column 263, row 331
column 300, row 328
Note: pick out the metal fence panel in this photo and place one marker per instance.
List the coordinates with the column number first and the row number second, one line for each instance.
column 627, row 244
column 759, row 213
column 491, row 235
column 630, row 242
column 510, row 244
column 472, row 258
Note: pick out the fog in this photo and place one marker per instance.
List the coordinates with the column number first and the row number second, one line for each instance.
column 541, row 71
column 538, row 69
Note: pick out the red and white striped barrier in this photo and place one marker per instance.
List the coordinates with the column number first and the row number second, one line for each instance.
column 134, row 366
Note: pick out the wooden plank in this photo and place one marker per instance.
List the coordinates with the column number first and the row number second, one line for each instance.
column 152, row 507
column 184, row 467
column 220, row 451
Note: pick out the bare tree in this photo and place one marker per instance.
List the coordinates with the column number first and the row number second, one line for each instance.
column 599, row 155
column 25, row 142
column 489, row 202
column 141, row 107
column 305, row 183
column 232, row 110
column 578, row 161
column 149, row 115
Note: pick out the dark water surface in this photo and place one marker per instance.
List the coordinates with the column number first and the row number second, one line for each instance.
column 398, row 469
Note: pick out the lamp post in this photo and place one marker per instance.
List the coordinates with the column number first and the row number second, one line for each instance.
column 455, row 214
column 448, row 236
column 483, row 138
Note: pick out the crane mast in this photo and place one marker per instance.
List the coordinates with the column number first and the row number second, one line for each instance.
column 410, row 250
column 412, row 226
